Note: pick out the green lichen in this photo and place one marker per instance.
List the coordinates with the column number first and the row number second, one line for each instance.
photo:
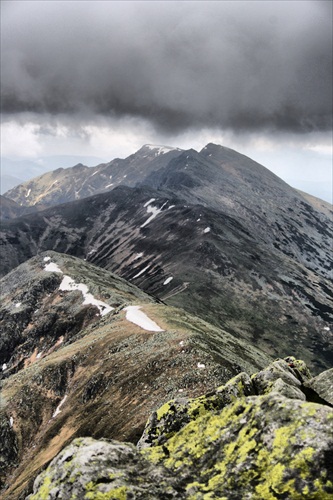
column 268, row 467
column 161, row 412
column 119, row 493
column 43, row 490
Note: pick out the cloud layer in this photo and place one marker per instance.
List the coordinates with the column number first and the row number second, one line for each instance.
column 246, row 66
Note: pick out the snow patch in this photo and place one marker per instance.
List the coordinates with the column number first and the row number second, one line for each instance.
column 149, row 202
column 39, row 355
column 11, row 421
column 327, row 328
column 109, row 185
column 68, row 284
column 59, row 406
column 139, row 318
column 168, row 280
column 92, row 175
column 138, row 256
column 207, row 230
column 201, row 365
column 52, row 268
column 18, row 304
column 171, row 206
column 141, row 272
column 28, row 193
column 161, row 149
column 46, row 259
column 154, row 211
column 4, row 367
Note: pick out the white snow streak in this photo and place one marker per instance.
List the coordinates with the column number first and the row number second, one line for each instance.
column 138, row 256
column 68, row 284
column 154, row 211
column 139, row 318
column 11, row 421
column 109, row 185
column 29, row 191
column 168, row 280
column 52, row 268
column 59, row 406
column 149, row 202
column 141, row 272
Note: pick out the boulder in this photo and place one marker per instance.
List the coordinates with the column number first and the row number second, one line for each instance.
column 177, row 413
column 323, row 385
column 253, row 438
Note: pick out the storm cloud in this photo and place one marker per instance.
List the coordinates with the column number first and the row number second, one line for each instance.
column 246, row 66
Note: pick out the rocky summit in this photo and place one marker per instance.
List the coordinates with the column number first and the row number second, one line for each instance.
column 268, row 436
column 143, row 303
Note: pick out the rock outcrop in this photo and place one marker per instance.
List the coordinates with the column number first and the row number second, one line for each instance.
column 254, row 438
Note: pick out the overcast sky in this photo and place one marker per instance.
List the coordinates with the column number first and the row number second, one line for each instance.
column 103, row 78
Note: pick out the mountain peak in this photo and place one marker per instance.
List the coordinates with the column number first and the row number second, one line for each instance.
column 160, row 149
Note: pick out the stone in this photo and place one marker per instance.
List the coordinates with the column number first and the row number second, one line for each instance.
column 98, row 469
column 323, row 385
column 177, row 413
column 228, row 444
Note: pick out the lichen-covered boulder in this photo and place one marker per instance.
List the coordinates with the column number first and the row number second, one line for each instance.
column 251, row 439
column 264, row 447
column 175, row 414
column 97, row 469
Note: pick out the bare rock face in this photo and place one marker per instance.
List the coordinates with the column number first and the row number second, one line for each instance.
column 259, row 446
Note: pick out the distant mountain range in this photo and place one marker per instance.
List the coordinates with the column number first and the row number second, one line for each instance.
column 15, row 172
column 231, row 265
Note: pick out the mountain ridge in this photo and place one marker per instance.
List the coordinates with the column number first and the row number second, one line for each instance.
column 203, row 267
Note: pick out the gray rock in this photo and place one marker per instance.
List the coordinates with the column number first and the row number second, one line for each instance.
column 225, row 445
column 323, row 385
column 94, row 469
column 177, row 413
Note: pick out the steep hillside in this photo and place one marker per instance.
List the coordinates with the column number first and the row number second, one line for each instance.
column 9, row 209
column 86, row 354
column 271, row 210
column 218, row 178
column 191, row 256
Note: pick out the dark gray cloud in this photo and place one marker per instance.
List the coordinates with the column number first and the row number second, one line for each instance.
column 245, row 65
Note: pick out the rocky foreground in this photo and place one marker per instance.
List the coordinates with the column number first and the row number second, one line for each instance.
column 268, row 436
